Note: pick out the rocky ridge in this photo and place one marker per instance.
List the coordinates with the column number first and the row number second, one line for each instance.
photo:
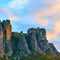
column 22, row 44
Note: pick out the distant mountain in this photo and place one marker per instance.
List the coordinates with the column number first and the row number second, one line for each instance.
column 25, row 46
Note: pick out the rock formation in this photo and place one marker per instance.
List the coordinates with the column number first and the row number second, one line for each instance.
column 42, row 41
column 5, row 35
column 32, row 40
column 22, row 44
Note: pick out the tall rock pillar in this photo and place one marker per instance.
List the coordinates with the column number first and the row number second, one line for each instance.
column 1, row 41
column 6, row 37
column 33, row 45
column 42, row 41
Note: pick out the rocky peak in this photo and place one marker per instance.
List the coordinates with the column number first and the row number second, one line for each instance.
column 41, row 32
column 8, row 21
column 5, row 31
column 31, row 30
column 38, row 41
column 42, row 41
column 32, row 39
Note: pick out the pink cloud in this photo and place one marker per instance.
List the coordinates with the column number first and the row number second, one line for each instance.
column 54, row 11
column 9, row 13
column 55, row 31
column 17, row 3
column 47, row 11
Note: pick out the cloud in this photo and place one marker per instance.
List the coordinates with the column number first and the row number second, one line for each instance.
column 51, row 1
column 37, row 14
column 41, row 21
column 47, row 11
column 55, row 31
column 10, row 15
column 17, row 3
column 44, row 16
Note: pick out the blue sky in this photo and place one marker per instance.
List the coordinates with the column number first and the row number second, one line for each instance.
column 33, row 13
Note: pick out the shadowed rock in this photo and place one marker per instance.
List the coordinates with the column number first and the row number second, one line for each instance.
column 33, row 42
column 22, row 46
column 53, row 47
column 42, row 41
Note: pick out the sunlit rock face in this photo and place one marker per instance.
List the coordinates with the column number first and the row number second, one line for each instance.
column 7, row 29
column 1, row 41
column 42, row 41
column 7, row 36
column 22, row 46
column 32, row 39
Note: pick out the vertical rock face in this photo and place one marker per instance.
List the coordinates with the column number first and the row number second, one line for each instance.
column 1, row 41
column 22, row 46
column 32, row 39
column 41, row 38
column 7, row 29
column 6, row 37
column 42, row 41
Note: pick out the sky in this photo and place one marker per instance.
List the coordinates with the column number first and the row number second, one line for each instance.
column 25, row 14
